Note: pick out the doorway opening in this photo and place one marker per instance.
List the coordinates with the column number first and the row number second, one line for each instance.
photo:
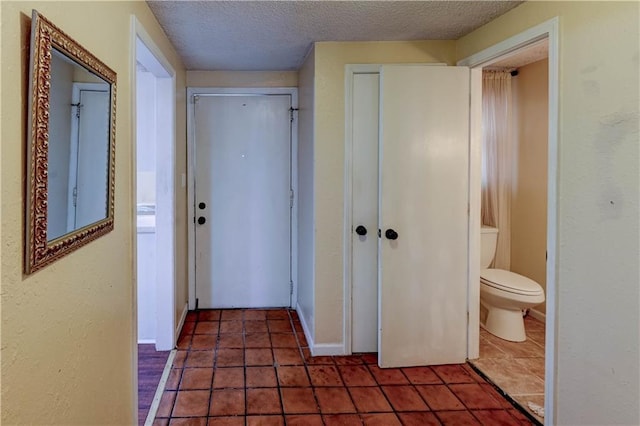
column 528, row 65
column 154, row 112
column 154, row 200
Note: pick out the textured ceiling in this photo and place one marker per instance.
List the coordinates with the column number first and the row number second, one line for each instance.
column 276, row 35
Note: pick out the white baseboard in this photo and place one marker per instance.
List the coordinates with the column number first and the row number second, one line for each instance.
column 305, row 327
column 180, row 323
column 318, row 349
column 538, row 315
column 146, row 341
column 326, row 349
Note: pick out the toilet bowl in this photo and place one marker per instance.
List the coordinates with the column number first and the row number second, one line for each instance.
column 504, row 294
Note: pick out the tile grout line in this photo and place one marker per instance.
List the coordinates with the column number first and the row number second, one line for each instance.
column 306, row 370
column 155, row 404
column 386, row 397
column 213, row 364
column 275, row 368
column 346, row 388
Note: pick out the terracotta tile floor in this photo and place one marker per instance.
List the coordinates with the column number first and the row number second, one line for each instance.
column 253, row 367
column 516, row 368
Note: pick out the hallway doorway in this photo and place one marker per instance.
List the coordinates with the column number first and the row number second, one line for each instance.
column 154, row 218
column 543, row 335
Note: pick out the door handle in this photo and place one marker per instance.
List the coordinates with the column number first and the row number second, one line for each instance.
column 361, row 230
column 391, row 234
column 201, row 220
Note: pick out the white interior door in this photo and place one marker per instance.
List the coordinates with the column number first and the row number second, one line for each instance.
column 364, row 257
column 90, row 152
column 424, row 133
column 242, row 194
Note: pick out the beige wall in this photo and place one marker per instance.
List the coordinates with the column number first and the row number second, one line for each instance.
column 330, row 61
column 596, row 372
column 242, row 78
column 67, row 330
column 305, row 197
column 529, row 197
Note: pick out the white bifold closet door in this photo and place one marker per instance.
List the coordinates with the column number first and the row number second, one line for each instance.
column 424, row 143
column 364, row 278
column 242, row 201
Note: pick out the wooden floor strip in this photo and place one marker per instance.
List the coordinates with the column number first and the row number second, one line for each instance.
column 158, row 396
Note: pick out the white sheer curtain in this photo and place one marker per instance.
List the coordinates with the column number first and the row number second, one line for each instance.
column 497, row 157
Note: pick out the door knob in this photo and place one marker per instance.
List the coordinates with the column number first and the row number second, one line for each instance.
column 361, row 230
column 201, row 220
column 391, row 234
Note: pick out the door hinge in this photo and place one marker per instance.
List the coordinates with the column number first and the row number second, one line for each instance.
column 195, row 99
column 75, row 196
column 290, row 287
column 197, row 303
column 77, row 106
column 291, row 110
column 291, row 196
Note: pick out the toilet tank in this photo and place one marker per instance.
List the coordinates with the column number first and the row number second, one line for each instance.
column 488, row 242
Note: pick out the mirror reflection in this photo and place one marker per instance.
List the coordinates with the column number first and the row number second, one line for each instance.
column 78, row 151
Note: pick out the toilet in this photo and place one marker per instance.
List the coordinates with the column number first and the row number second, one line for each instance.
column 504, row 294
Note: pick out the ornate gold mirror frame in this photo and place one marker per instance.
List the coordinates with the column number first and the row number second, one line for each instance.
column 49, row 42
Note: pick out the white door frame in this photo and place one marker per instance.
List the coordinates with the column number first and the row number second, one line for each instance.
column 502, row 50
column 143, row 48
column 76, row 89
column 191, row 236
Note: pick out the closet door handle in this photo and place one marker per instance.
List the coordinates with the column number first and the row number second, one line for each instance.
column 391, row 234
column 361, row 230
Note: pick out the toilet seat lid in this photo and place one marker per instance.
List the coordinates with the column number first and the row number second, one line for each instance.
column 510, row 281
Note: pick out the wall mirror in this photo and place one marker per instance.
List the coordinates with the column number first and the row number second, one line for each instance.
column 71, row 146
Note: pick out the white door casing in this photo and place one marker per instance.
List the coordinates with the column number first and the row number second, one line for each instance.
column 243, row 176
column 364, row 253
column 424, row 136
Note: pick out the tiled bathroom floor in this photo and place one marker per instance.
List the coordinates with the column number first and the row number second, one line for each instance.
column 516, row 368
column 253, row 367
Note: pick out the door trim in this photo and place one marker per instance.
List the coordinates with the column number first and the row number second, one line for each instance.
column 191, row 240
column 166, row 295
column 550, row 30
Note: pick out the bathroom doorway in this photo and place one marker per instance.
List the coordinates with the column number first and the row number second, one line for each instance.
column 527, row 66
